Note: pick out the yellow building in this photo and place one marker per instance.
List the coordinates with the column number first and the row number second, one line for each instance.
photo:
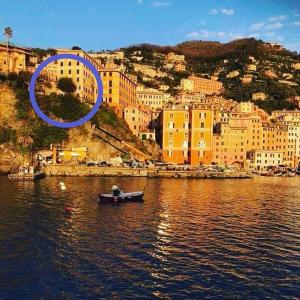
column 16, row 59
column 233, row 74
column 185, row 134
column 151, row 97
column 189, row 97
column 205, row 86
column 259, row 96
column 83, row 78
column 72, row 155
column 146, row 70
column 171, row 56
column 119, row 91
column 246, row 79
column 296, row 65
column 138, row 118
column 179, row 67
column 251, row 67
column 261, row 160
column 186, row 85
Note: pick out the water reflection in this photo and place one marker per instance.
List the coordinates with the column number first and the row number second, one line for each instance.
column 189, row 239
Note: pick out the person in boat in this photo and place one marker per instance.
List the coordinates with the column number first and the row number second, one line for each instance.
column 115, row 190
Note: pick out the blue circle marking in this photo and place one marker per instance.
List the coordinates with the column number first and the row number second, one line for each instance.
column 36, row 107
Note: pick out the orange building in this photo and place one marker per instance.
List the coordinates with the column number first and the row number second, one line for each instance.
column 230, row 141
column 275, row 137
column 119, row 90
column 201, row 136
column 185, row 134
column 206, row 86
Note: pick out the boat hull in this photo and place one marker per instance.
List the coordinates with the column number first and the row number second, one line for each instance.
column 123, row 197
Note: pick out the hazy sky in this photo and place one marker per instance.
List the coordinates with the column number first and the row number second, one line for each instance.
column 100, row 24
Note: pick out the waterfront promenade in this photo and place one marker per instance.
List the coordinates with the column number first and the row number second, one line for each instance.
column 77, row 170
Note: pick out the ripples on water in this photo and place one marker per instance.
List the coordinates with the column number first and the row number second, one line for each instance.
column 190, row 239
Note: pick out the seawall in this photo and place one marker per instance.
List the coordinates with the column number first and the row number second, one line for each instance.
column 77, row 170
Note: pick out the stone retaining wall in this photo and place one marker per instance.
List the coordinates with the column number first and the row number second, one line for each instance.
column 76, row 170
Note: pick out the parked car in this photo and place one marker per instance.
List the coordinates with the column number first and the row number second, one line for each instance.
column 104, row 163
column 91, row 164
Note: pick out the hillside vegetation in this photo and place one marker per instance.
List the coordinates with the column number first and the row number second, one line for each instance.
column 207, row 59
column 23, row 133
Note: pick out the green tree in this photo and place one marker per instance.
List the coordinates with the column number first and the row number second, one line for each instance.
column 66, row 85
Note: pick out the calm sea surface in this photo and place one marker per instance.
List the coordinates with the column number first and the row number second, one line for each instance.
column 190, row 239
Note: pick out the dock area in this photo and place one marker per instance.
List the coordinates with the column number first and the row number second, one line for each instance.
column 82, row 171
column 26, row 176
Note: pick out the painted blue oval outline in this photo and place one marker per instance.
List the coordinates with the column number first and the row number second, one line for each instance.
column 36, row 106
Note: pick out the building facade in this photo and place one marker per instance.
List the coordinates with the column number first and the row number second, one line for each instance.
column 202, row 85
column 16, row 59
column 185, row 134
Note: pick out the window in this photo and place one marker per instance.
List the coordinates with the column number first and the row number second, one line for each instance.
column 77, row 71
column 70, row 72
column 61, row 72
column 202, row 115
column 70, row 63
column 201, row 144
column 61, row 64
column 202, row 125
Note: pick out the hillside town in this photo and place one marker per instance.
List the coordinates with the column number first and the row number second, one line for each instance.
column 194, row 122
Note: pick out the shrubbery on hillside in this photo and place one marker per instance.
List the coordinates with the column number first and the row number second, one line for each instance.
column 7, row 135
column 42, row 134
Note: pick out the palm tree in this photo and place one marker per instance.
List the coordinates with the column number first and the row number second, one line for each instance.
column 8, row 33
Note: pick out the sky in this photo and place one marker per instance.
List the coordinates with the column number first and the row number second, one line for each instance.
column 99, row 24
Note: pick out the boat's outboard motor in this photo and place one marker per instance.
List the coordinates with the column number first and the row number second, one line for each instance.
column 115, row 190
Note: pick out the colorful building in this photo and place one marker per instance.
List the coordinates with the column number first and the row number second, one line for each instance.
column 203, row 85
column 119, row 91
column 185, row 134
column 83, row 78
column 259, row 96
column 16, row 59
column 261, row 160
column 189, row 97
column 138, row 118
column 151, row 97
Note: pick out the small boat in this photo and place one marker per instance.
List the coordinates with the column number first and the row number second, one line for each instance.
column 26, row 173
column 118, row 196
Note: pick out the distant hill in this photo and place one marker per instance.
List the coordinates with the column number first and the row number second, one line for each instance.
column 272, row 70
column 213, row 49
